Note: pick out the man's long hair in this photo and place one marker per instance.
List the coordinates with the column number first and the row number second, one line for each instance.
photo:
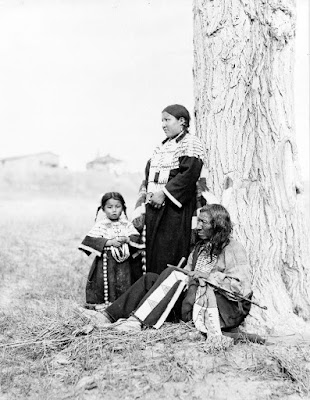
column 221, row 226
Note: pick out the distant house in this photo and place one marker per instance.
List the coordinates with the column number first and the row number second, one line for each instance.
column 106, row 163
column 31, row 161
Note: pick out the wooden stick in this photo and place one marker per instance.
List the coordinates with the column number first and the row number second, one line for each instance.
column 216, row 287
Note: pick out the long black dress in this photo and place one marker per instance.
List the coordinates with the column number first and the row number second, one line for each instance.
column 174, row 168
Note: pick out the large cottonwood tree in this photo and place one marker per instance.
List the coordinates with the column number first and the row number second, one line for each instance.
column 243, row 84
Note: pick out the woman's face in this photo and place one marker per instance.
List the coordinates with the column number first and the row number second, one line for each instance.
column 171, row 125
column 113, row 209
column 204, row 226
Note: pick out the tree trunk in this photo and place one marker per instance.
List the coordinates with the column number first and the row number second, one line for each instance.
column 243, row 82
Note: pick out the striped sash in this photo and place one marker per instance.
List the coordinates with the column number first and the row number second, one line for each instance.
column 157, row 306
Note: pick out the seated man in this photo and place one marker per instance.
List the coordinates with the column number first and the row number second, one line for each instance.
column 206, row 291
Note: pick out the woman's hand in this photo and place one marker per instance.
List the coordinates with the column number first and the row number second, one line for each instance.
column 157, row 199
column 148, row 198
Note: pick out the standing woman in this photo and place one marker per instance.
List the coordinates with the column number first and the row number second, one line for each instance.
column 169, row 191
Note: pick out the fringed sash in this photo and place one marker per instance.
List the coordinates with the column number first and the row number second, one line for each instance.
column 205, row 312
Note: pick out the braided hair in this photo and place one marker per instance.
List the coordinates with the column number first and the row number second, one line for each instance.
column 179, row 111
column 111, row 195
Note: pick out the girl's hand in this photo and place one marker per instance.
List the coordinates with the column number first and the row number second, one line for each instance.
column 123, row 239
column 158, row 199
column 114, row 242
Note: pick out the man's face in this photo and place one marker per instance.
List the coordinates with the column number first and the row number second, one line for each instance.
column 204, row 227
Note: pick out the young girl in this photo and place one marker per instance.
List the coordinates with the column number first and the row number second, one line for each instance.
column 110, row 240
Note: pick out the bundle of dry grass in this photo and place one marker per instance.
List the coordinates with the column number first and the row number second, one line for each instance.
column 58, row 342
column 69, row 333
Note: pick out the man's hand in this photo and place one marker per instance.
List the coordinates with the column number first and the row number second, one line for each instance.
column 198, row 274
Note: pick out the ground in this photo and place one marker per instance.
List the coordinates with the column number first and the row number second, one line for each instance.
column 44, row 355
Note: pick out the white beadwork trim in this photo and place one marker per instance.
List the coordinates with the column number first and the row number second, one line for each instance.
column 144, row 252
column 90, row 249
column 173, row 199
column 105, row 276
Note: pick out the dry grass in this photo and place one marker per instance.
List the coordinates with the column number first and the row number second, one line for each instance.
column 43, row 356
column 48, row 354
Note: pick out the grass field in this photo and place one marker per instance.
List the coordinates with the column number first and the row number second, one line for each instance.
column 42, row 355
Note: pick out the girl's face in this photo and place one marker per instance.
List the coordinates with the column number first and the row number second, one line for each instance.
column 171, row 125
column 113, row 209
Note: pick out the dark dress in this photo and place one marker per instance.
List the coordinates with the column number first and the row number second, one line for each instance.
column 168, row 229
column 119, row 279
column 120, row 275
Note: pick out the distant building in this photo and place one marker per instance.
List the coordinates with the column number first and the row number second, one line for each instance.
column 106, row 163
column 31, row 161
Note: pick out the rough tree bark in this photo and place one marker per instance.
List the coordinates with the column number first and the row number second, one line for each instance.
column 243, row 84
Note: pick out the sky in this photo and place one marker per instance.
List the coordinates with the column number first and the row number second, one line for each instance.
column 84, row 78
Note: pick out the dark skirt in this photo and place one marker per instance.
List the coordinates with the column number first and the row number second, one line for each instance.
column 168, row 234
column 120, row 278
